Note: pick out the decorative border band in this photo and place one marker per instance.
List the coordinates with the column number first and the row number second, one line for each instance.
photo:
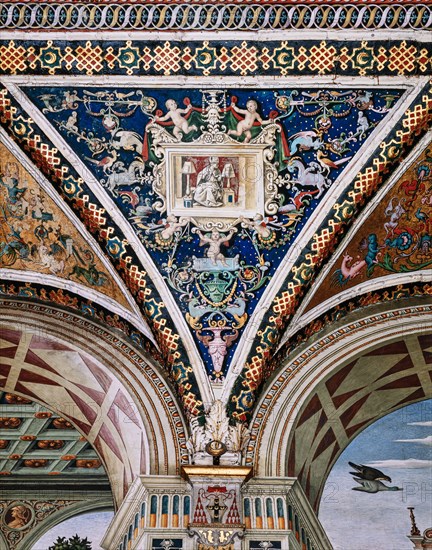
column 74, row 302
column 340, row 311
column 151, row 16
column 216, row 57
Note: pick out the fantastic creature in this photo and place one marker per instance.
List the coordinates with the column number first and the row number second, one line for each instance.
column 70, row 99
column 16, row 248
column 328, row 164
column 425, row 247
column 395, row 212
column 305, row 141
column 181, row 125
column 10, row 180
column 127, row 140
column 368, row 473
column 120, row 175
column 402, row 242
column 55, row 102
column 49, row 260
column 351, row 270
column 217, row 346
column 348, row 270
column 166, row 229
column 71, row 123
column 298, row 202
column 364, row 101
column 90, row 274
column 260, row 225
column 250, row 117
column 421, row 216
column 105, row 163
column 144, row 208
column 52, row 102
column 412, row 188
column 427, row 199
column 308, row 177
column 362, row 125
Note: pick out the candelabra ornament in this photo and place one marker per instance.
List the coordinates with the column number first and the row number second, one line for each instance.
column 228, row 173
column 188, row 168
column 216, row 449
column 415, row 531
column 213, row 105
column 216, row 497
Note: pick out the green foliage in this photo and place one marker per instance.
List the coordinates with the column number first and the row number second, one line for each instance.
column 387, row 263
column 74, row 543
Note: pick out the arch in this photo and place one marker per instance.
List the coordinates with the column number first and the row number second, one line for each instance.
column 371, row 363
column 63, row 514
column 108, row 389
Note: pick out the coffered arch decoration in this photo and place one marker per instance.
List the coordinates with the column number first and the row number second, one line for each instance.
column 49, row 472
column 98, row 381
column 370, row 363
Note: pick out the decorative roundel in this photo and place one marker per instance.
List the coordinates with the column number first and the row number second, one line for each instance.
column 18, row 516
column 428, row 533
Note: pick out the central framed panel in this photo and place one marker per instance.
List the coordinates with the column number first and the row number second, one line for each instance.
column 222, row 182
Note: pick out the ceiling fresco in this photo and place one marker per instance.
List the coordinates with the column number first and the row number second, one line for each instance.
column 396, row 238
column 216, row 184
column 217, row 207
column 37, row 235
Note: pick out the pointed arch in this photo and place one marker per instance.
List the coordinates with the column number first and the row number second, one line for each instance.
column 328, row 390
column 108, row 389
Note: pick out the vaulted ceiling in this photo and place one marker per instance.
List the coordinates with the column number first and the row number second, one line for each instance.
column 215, row 217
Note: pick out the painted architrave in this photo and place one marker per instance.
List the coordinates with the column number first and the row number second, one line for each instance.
column 212, row 15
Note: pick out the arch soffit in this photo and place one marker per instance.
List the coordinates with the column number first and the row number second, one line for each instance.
column 137, row 397
column 289, row 390
column 63, row 514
